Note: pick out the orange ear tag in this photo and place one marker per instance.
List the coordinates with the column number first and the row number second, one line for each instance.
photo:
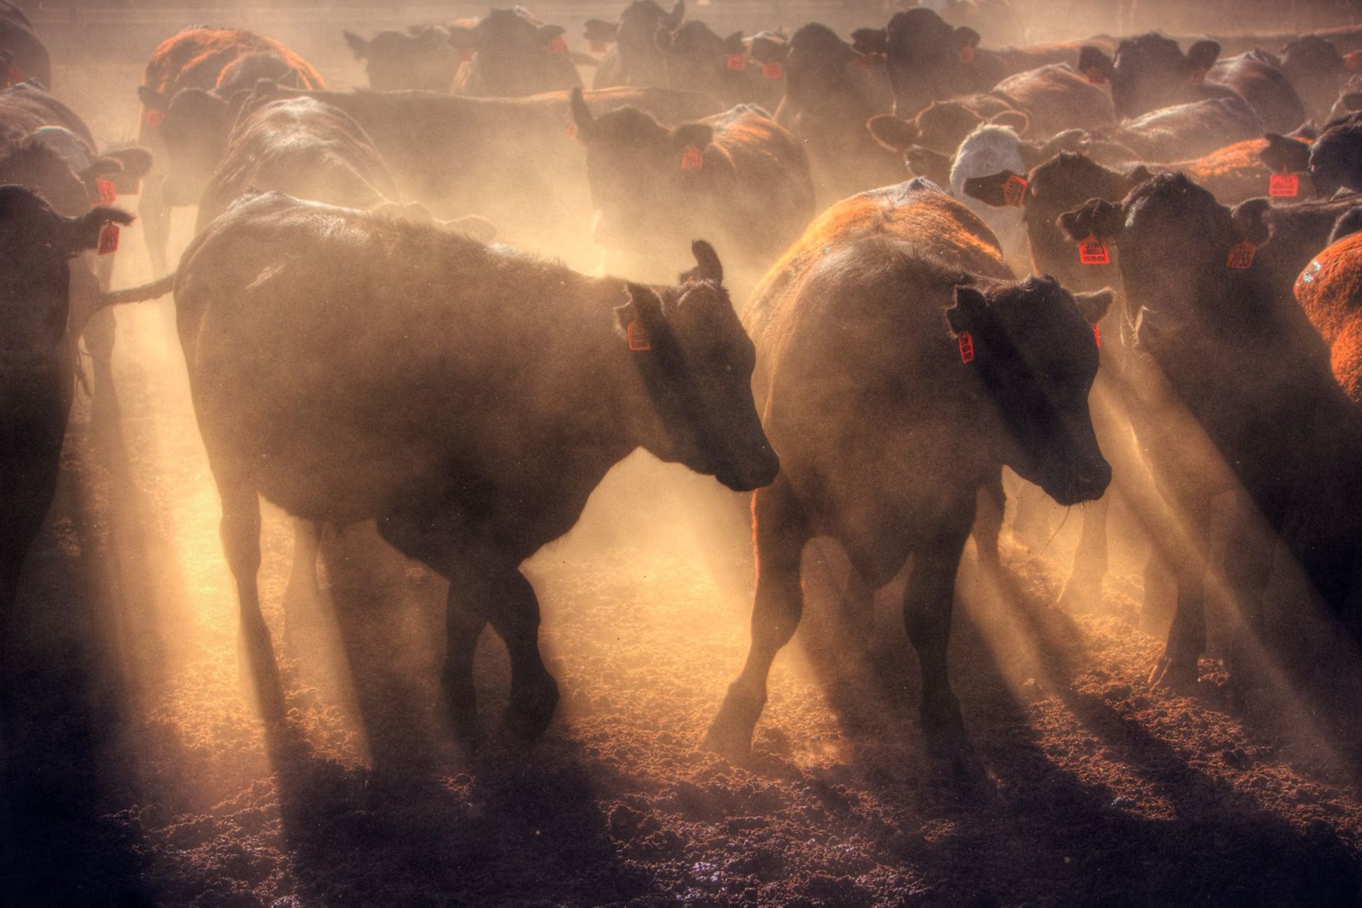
column 772, row 70
column 967, row 55
column 107, row 194
column 558, row 45
column 1093, row 251
column 1283, row 185
column 1095, row 75
column 155, row 118
column 1097, row 335
column 638, row 336
column 572, row 130
column 1353, row 60
column 1241, row 256
column 108, row 239
column 737, row 62
column 966, row 347
column 1014, row 191
column 692, row 158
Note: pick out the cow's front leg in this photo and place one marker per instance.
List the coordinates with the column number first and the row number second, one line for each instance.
column 928, row 601
column 513, row 610
column 781, row 533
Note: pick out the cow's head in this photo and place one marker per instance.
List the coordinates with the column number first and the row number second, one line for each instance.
column 1315, row 69
column 1032, row 347
column 422, row 59
column 519, row 55
column 1336, row 159
column 640, row 25
column 38, row 244
column 926, row 58
column 697, row 58
column 1150, row 71
column 639, row 169
column 696, row 363
column 194, row 127
column 1056, row 186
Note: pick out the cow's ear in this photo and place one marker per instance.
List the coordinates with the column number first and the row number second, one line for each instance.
column 1094, row 306
column 707, row 264
column 1015, row 120
column 1250, row 221
column 1095, row 217
column 1347, row 225
column 83, row 232
column 968, row 313
column 358, row 46
column 644, row 311
column 991, row 189
column 598, row 30
column 1203, row 54
column 733, row 44
column 1138, row 177
column 151, row 98
column 104, row 167
column 893, row 133
column 673, row 19
column 870, row 41
column 1095, row 65
column 1283, row 155
column 581, row 114
column 697, row 135
column 1352, row 101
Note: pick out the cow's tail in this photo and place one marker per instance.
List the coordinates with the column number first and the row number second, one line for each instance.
column 138, row 294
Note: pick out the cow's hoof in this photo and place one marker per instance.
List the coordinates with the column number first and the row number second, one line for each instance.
column 531, row 709
column 728, row 738
column 1173, row 672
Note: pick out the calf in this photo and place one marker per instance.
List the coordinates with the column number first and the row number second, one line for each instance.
column 831, row 91
column 900, row 369
column 196, row 59
column 514, row 55
column 1213, row 291
column 738, row 177
column 420, row 59
column 36, row 364
column 348, row 367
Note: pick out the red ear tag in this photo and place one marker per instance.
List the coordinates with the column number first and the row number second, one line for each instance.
column 107, row 194
column 1097, row 335
column 966, row 347
column 1093, row 251
column 1014, row 191
column 692, row 158
column 1353, row 60
column 967, row 55
column 772, row 70
column 572, row 130
column 155, row 118
column 13, row 74
column 1285, row 185
column 1095, row 75
column 1241, row 256
column 558, row 45
column 466, row 55
column 598, row 47
column 108, row 239
column 737, row 62
column 638, row 336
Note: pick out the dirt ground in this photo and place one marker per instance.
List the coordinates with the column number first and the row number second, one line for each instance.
column 136, row 773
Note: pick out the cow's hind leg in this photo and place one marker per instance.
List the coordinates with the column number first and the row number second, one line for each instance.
column 241, row 545
column 927, row 605
column 1177, row 666
column 781, row 532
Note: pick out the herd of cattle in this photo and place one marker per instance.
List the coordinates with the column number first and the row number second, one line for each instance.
column 359, row 349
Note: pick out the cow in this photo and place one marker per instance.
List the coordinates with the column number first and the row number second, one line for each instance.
column 420, row 59
column 634, row 58
column 1180, row 132
column 1315, row 69
column 36, row 354
column 901, row 367
column 514, row 55
column 697, row 59
column 1258, row 79
column 1336, row 158
column 1213, row 292
column 1150, row 72
column 515, row 161
column 738, row 177
column 23, row 53
column 929, row 60
column 1330, row 292
column 466, row 397
column 194, row 59
column 831, row 91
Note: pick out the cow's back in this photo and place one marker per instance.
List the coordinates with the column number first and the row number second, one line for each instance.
column 196, row 58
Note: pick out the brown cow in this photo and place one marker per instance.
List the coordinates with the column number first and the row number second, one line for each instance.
column 900, row 368
column 1329, row 289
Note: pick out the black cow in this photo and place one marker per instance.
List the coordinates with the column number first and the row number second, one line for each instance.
column 36, row 350
column 421, row 59
column 1213, row 291
column 514, row 55
column 466, row 397
column 1259, row 80
column 23, row 55
column 1180, row 132
column 738, row 177
column 900, row 368
column 635, row 58
column 1150, row 72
